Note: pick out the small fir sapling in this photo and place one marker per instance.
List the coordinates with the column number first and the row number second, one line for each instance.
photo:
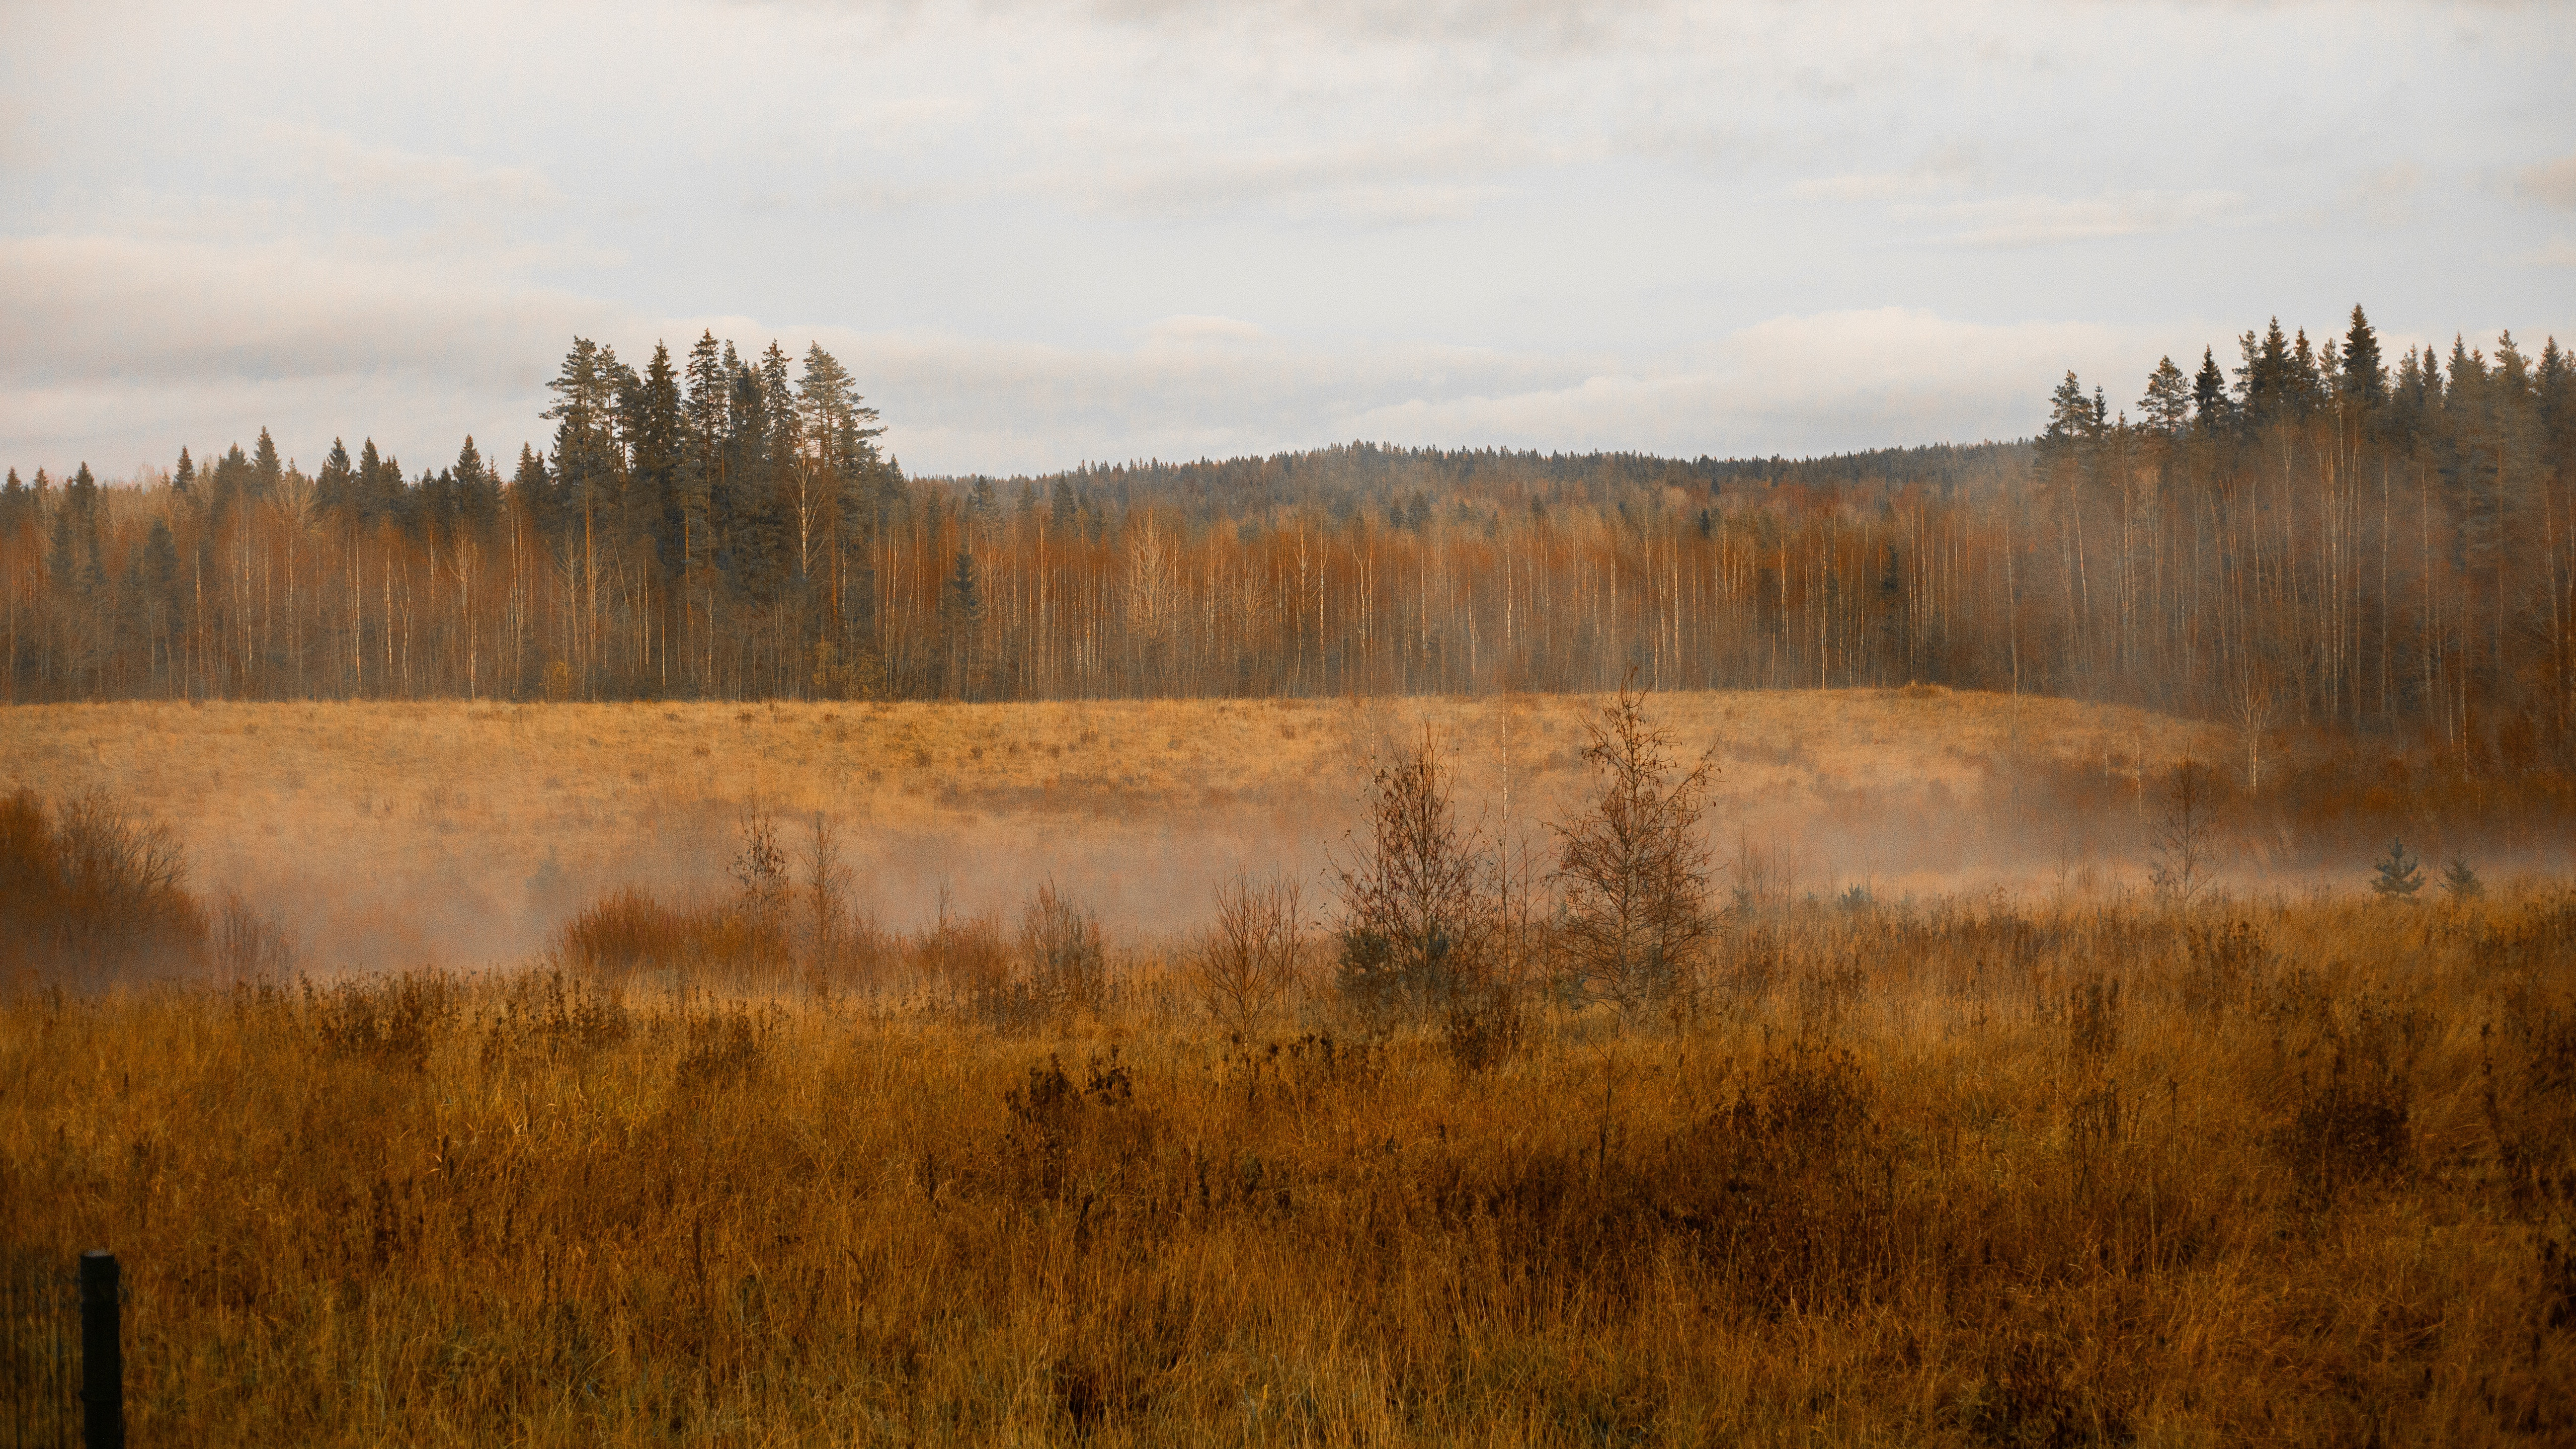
column 2460, row 882
column 2399, row 876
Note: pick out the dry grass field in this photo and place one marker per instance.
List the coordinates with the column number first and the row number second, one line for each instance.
column 1930, row 1163
column 392, row 834
column 1967, row 1175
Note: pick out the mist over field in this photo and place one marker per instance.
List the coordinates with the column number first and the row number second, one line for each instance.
column 394, row 835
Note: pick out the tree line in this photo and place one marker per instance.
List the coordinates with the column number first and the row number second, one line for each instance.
column 2314, row 534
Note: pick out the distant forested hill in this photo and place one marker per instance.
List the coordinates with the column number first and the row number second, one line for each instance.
column 1343, row 480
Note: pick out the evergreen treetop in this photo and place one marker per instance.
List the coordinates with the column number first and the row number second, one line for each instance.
column 2398, row 876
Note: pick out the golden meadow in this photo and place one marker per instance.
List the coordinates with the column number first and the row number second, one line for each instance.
column 1981, row 1169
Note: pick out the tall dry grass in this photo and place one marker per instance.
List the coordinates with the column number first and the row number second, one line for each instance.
column 1967, row 1174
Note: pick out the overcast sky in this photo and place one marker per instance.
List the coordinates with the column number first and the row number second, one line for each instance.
column 1047, row 233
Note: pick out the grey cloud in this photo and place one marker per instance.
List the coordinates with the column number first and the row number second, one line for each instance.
column 1798, row 384
column 137, row 308
column 1624, row 191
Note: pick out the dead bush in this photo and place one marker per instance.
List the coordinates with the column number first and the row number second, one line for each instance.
column 249, row 943
column 2352, row 1123
column 721, row 1049
column 629, row 932
column 1246, row 963
column 1415, row 920
column 392, row 1023
column 2223, row 966
column 1068, row 971
column 88, row 895
column 555, row 1016
column 1051, row 1114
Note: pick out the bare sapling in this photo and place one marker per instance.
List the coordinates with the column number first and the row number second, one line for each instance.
column 760, row 872
column 827, row 912
column 1634, row 869
column 2255, row 707
column 2184, row 844
column 1414, row 913
column 1068, row 970
column 1246, row 964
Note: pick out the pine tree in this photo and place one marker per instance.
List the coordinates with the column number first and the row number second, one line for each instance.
column 2166, row 407
column 2399, row 876
column 2071, row 424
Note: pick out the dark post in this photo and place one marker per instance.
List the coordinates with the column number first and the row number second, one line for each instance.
column 102, row 1357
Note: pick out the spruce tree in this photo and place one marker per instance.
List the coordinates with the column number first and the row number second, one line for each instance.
column 2266, row 385
column 532, row 487
column 182, row 478
column 2399, row 876
column 2460, row 882
column 2365, row 376
column 478, row 491
column 656, row 436
column 778, row 395
column 335, row 488
column 266, row 472
column 2209, row 402
column 704, row 423
column 160, row 571
column 750, row 527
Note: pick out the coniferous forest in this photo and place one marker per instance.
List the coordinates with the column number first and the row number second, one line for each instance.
column 2310, row 534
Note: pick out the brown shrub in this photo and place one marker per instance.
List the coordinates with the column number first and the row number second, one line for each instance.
column 88, row 896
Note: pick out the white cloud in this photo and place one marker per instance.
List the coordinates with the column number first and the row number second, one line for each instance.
column 350, row 166
column 2029, row 221
column 1879, row 186
column 2386, row 195
column 1945, row 169
column 1423, row 177
column 1188, row 331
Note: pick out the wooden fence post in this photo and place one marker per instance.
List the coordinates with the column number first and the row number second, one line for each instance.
column 102, row 1355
